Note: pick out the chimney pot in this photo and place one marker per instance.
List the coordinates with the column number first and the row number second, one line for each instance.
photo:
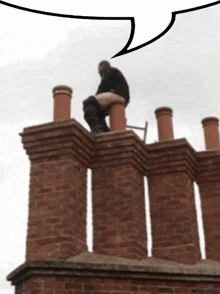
column 62, row 95
column 164, row 123
column 211, row 132
column 117, row 117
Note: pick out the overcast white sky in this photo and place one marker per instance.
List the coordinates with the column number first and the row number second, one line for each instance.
column 180, row 70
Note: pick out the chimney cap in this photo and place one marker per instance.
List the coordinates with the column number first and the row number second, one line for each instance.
column 163, row 110
column 210, row 120
column 62, row 89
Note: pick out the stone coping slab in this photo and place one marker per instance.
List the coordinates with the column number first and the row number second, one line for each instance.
column 96, row 265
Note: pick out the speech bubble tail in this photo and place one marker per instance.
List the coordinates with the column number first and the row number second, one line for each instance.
column 126, row 49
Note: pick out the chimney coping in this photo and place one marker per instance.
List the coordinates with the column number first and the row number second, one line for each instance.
column 118, row 148
column 171, row 156
column 96, row 265
column 208, row 166
column 56, row 139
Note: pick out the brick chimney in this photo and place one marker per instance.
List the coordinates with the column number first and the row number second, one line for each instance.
column 60, row 153
column 118, row 195
column 164, row 123
column 208, row 180
column 171, row 173
column 211, row 132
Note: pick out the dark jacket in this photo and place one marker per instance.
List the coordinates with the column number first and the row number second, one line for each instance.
column 114, row 81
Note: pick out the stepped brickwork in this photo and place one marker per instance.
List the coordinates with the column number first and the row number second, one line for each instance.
column 57, row 258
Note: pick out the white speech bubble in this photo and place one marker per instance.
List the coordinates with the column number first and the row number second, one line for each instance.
column 149, row 19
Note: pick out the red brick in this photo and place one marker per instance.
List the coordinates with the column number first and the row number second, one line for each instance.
column 73, row 286
column 165, row 290
column 169, row 242
column 113, row 230
column 57, row 195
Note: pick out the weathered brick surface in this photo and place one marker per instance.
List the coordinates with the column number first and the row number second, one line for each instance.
column 118, row 198
column 57, row 199
column 210, row 194
column 57, row 210
column 172, row 205
column 173, row 218
column 119, row 212
column 208, row 178
column 96, row 285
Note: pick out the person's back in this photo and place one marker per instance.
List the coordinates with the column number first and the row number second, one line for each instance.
column 114, row 81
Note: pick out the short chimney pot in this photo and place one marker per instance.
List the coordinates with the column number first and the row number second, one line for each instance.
column 62, row 96
column 211, row 132
column 164, row 123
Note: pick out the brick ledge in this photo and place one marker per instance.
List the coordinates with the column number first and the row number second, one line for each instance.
column 96, row 265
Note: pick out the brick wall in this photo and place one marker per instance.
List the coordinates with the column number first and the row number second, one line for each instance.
column 57, row 209
column 94, row 285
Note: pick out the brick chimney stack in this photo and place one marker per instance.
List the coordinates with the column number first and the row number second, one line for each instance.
column 60, row 153
column 211, row 132
column 62, row 98
column 173, row 213
column 118, row 195
column 170, row 180
column 208, row 180
column 164, row 123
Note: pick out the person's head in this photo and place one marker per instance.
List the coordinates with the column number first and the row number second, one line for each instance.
column 102, row 65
